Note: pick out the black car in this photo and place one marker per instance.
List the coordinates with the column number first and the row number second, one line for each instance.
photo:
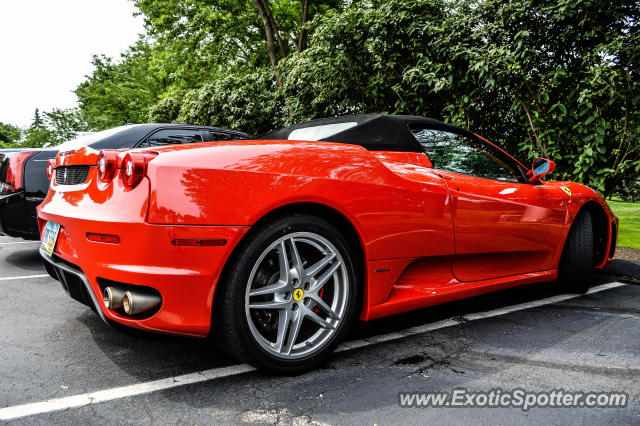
column 23, row 173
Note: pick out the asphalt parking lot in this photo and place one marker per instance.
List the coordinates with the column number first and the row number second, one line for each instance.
column 60, row 364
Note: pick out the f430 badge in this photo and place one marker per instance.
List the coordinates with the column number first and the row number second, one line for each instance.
column 567, row 190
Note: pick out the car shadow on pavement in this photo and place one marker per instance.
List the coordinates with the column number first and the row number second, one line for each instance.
column 545, row 347
column 25, row 260
column 150, row 356
column 462, row 307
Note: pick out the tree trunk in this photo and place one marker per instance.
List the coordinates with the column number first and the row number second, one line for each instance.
column 610, row 186
column 302, row 41
column 274, row 27
column 268, row 30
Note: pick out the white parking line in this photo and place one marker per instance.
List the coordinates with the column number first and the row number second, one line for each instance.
column 76, row 401
column 24, row 277
column 81, row 400
column 20, row 242
column 469, row 317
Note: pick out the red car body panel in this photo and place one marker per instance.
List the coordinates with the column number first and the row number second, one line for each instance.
column 427, row 236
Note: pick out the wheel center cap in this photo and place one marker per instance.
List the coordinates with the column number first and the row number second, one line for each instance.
column 298, row 294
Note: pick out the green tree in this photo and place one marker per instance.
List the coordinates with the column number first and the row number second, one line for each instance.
column 360, row 60
column 37, row 121
column 203, row 45
column 540, row 77
column 37, row 134
column 201, row 38
column 65, row 124
column 9, row 135
column 118, row 93
column 629, row 189
column 251, row 102
column 555, row 79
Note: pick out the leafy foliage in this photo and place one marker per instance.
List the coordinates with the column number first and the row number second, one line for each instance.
column 542, row 78
column 251, row 102
column 65, row 124
column 48, row 129
column 118, row 93
column 9, row 135
column 37, row 135
column 629, row 189
column 360, row 60
column 206, row 37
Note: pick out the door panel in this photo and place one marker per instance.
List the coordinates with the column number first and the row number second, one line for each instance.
column 430, row 234
column 502, row 224
column 503, row 228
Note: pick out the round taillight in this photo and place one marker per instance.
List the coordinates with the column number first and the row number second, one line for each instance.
column 51, row 166
column 134, row 167
column 107, row 165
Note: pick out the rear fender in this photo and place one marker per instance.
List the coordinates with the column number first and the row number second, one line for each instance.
column 238, row 184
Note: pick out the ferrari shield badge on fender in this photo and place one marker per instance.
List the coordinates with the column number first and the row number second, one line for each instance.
column 567, row 190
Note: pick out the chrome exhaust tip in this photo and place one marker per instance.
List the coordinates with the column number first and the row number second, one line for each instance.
column 136, row 302
column 113, row 297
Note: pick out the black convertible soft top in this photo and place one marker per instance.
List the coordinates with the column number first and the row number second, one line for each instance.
column 375, row 132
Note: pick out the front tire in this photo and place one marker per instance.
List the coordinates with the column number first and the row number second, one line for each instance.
column 288, row 295
column 576, row 265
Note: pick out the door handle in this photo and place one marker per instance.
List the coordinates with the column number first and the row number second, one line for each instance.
column 449, row 178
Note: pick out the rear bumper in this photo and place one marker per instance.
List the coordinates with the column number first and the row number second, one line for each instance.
column 18, row 215
column 185, row 276
column 73, row 281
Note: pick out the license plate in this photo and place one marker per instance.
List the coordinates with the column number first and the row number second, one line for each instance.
column 50, row 237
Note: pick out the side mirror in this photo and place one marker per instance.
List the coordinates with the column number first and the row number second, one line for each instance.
column 541, row 166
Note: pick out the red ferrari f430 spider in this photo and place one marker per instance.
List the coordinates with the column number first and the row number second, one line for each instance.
column 276, row 246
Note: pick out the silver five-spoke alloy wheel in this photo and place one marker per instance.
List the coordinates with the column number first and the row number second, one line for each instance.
column 296, row 295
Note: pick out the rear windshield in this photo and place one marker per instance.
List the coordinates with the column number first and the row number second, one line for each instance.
column 88, row 139
column 315, row 133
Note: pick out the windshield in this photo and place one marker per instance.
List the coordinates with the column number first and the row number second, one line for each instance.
column 86, row 140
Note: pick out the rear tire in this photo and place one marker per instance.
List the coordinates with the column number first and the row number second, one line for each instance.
column 575, row 271
column 287, row 319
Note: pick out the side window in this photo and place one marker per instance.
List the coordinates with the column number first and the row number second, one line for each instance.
column 459, row 154
column 236, row 137
column 174, row 137
column 220, row 136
